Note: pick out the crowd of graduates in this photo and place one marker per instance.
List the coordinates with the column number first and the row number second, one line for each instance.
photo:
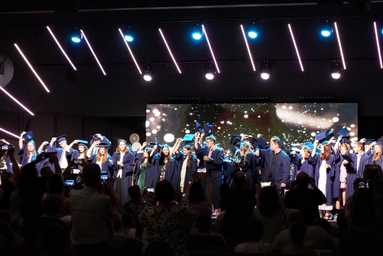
column 192, row 197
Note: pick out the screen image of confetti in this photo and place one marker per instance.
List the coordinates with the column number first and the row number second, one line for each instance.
column 292, row 122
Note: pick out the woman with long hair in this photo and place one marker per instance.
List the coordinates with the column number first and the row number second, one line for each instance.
column 325, row 172
column 376, row 157
column 123, row 164
column 27, row 146
column 104, row 160
column 247, row 163
column 149, row 168
column 79, row 157
column 166, row 162
column 345, row 174
column 184, row 171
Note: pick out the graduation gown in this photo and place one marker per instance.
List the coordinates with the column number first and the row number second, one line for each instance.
column 122, row 184
column 307, row 166
column 214, row 167
column 362, row 163
column 351, row 175
column 248, row 165
column 378, row 162
column 106, row 167
column 191, row 169
column 168, row 167
column 24, row 159
column 330, row 176
column 276, row 167
column 149, row 174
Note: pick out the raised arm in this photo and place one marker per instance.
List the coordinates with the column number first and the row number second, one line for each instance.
column 71, row 145
column 41, row 148
column 196, row 140
column 21, row 145
column 89, row 151
column 316, row 144
column 176, row 146
column 52, row 142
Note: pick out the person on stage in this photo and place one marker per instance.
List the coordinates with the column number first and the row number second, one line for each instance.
column 27, row 148
column 149, row 168
column 247, row 164
column 213, row 161
column 123, row 163
column 325, row 173
column 360, row 158
column 103, row 160
column 93, row 149
column 63, row 150
column 167, row 162
column 345, row 174
column 276, row 163
column 79, row 157
column 186, row 167
column 308, row 159
column 376, row 156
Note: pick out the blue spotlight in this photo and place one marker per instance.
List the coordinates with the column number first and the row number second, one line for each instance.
column 326, row 32
column 75, row 38
column 252, row 34
column 129, row 38
column 381, row 31
column 196, row 35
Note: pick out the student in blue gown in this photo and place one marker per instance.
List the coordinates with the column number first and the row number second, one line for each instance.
column 123, row 164
column 308, row 159
column 247, row 164
column 376, row 156
column 167, row 162
column 276, row 164
column 186, row 168
column 103, row 160
column 325, row 172
column 79, row 157
column 360, row 158
column 212, row 157
column 149, row 168
column 345, row 174
column 27, row 146
column 63, row 150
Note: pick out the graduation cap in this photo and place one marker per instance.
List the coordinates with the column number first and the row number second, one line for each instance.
column 103, row 145
column 308, row 145
column 28, row 136
column 97, row 136
column 235, row 140
column 261, row 142
column 198, row 127
column 343, row 132
column 208, row 129
column 188, row 138
column 61, row 138
column 121, row 140
column 83, row 143
column 325, row 135
column 368, row 141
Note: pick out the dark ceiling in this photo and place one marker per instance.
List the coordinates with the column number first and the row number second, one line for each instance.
column 123, row 93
